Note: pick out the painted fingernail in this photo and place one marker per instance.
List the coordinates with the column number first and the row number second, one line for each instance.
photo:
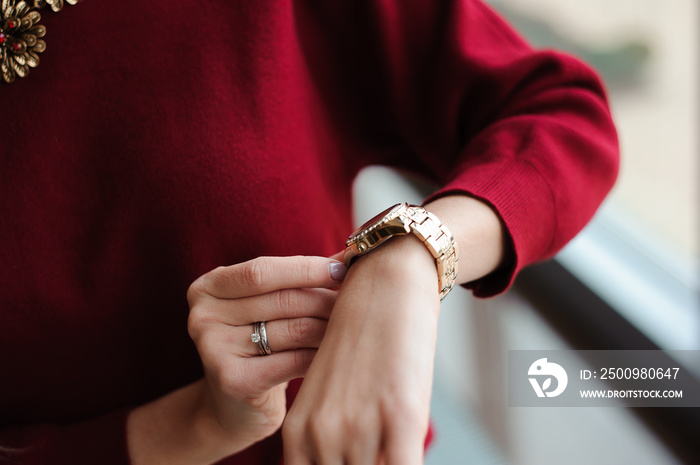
column 337, row 271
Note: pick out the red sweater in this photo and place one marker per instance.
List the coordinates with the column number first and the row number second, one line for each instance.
column 157, row 140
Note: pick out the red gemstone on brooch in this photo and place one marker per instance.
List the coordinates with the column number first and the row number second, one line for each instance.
column 21, row 35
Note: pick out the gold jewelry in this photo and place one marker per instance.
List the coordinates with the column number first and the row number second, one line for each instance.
column 21, row 35
column 403, row 219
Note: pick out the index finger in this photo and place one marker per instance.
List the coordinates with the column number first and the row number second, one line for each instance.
column 267, row 274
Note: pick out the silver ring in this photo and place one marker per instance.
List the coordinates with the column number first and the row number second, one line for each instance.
column 259, row 337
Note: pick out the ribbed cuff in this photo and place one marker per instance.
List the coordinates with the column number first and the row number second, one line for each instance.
column 521, row 197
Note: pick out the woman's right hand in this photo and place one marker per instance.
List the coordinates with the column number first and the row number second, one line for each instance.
column 241, row 399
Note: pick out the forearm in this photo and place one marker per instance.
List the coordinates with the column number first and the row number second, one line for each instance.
column 481, row 238
column 175, row 429
column 479, row 233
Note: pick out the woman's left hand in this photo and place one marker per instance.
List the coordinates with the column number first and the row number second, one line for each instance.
column 366, row 397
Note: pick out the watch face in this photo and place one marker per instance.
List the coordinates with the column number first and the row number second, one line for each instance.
column 378, row 217
column 375, row 232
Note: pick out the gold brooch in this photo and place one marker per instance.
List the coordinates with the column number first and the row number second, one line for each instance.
column 20, row 35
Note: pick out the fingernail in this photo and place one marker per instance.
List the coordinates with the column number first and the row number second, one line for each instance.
column 337, row 271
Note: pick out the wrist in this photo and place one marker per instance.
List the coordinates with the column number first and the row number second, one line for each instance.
column 404, row 219
column 484, row 242
column 178, row 428
column 399, row 275
column 400, row 259
column 389, row 301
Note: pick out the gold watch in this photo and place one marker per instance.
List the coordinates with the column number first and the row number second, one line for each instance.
column 402, row 219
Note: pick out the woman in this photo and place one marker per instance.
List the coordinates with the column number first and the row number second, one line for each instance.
column 161, row 144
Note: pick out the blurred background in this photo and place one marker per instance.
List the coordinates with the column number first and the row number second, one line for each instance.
column 629, row 281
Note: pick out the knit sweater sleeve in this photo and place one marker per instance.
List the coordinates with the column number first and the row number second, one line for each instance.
column 450, row 91
column 540, row 145
column 100, row 440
